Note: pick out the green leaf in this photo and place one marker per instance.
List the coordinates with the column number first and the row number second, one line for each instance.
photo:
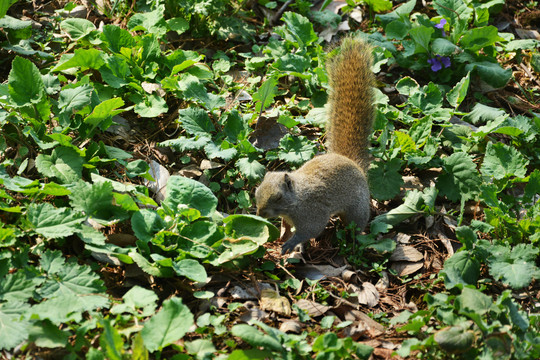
column 104, row 110
column 196, row 121
column 457, row 94
column 412, row 205
column 47, row 335
column 152, row 21
column 478, row 38
column 16, row 287
column 401, row 13
column 429, row 99
column 407, row 86
column 474, row 301
column 83, row 58
column 503, row 161
column 74, row 99
column 223, row 151
column 64, row 164
column 178, row 24
column 169, row 325
column 4, row 6
column 117, row 38
column 296, row 150
column 460, row 178
column 250, row 354
column 461, row 268
column 256, row 338
column 146, row 223
column 384, row 179
column 191, row 269
column 252, row 169
column 491, row 72
column 52, row 222
column 25, row 84
column 300, row 28
column 77, row 28
column 422, row 36
column 13, row 330
column 111, row 341
column 444, row 47
column 455, row 339
column 137, row 301
column 380, row 5
column 515, row 267
column 264, row 97
column 191, row 193
column 397, row 30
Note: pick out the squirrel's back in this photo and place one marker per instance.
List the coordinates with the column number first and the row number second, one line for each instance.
column 350, row 101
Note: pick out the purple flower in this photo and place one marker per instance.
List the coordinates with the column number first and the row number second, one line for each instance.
column 440, row 25
column 438, row 62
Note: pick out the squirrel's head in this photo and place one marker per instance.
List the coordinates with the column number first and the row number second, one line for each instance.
column 275, row 194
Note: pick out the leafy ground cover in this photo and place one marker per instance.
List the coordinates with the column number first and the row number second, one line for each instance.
column 133, row 135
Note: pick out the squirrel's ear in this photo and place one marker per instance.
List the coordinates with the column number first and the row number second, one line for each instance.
column 288, row 182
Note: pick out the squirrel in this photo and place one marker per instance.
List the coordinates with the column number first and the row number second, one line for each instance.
column 334, row 183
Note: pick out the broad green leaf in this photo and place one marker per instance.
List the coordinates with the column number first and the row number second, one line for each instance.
column 191, row 193
column 47, row 335
column 252, row 169
column 478, row 38
column 223, row 151
column 412, row 205
column 300, row 28
column 4, row 6
column 149, row 106
column 117, row 38
column 455, row 339
column 52, row 261
column 116, row 71
column 16, row 287
column 429, row 100
column 178, row 24
column 137, row 301
column 384, row 179
column 491, row 72
column 403, row 142
column 74, row 99
column 503, row 161
column 25, row 84
column 91, row 236
column 13, row 330
column 152, row 21
column 146, row 223
column 250, row 227
column 183, row 144
column 111, row 341
column 379, row 5
column 83, row 58
column 264, row 97
column 422, row 36
column 444, row 47
column 77, row 28
column 199, row 239
column 196, row 121
column 407, row 86
column 483, row 113
column 105, row 110
column 474, row 301
column 75, row 279
column 255, row 337
column 96, row 201
column 150, row 267
column 461, row 268
column 296, row 150
column 52, row 222
column 191, row 269
column 169, row 325
column 397, row 29
column 515, row 267
column 457, row 94
column 400, row 13
column 460, row 178
column 250, row 354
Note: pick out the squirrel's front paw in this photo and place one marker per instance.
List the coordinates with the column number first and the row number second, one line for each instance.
column 290, row 245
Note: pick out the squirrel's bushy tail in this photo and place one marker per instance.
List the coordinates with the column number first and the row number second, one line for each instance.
column 351, row 104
